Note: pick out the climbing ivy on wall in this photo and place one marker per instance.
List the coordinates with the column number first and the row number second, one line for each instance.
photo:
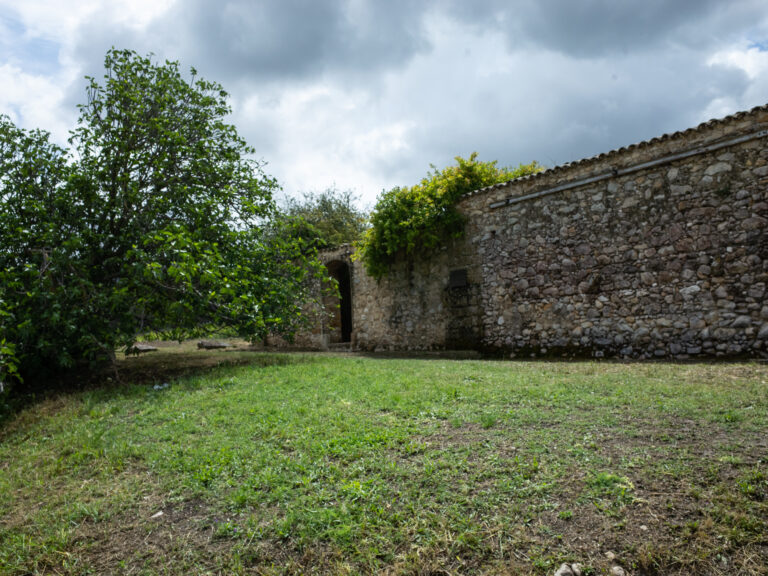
column 419, row 218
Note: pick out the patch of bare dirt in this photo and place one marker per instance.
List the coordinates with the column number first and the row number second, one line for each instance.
column 153, row 535
column 671, row 522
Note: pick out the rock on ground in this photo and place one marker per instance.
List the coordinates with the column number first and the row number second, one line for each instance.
column 213, row 344
column 140, row 348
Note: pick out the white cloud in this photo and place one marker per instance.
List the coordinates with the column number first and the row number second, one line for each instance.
column 750, row 59
column 34, row 102
column 60, row 21
column 326, row 136
column 35, row 93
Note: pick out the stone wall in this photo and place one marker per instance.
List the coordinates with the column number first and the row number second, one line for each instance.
column 656, row 250
column 413, row 307
column 665, row 260
column 324, row 313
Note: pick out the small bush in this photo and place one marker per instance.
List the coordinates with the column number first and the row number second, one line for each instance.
column 412, row 220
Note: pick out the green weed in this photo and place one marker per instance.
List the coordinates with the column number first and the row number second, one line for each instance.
column 301, row 463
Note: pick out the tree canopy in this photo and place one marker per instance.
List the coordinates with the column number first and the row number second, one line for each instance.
column 326, row 219
column 416, row 219
column 153, row 220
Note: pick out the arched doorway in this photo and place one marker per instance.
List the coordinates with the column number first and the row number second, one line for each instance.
column 340, row 310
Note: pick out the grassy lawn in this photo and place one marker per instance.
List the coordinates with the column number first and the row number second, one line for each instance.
column 328, row 464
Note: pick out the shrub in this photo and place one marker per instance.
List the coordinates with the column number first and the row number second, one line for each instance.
column 417, row 219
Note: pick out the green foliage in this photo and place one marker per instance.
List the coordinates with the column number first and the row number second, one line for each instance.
column 610, row 489
column 37, row 243
column 326, row 219
column 418, row 219
column 9, row 364
column 154, row 221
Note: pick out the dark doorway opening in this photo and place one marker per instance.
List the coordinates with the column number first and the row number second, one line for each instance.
column 341, row 319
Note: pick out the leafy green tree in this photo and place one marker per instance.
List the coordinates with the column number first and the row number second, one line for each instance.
column 327, row 219
column 154, row 221
column 417, row 219
column 36, row 243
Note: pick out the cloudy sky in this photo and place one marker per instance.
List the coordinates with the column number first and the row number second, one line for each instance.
column 366, row 94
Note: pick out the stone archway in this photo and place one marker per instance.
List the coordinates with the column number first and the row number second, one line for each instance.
column 340, row 309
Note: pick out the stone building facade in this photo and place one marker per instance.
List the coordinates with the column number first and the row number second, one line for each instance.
column 659, row 249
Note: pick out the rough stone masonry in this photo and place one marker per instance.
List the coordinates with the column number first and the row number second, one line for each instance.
column 656, row 250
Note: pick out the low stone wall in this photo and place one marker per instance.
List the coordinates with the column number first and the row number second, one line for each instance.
column 414, row 308
column 665, row 260
column 656, row 250
column 324, row 314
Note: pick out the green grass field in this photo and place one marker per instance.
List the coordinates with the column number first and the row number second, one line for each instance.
column 328, row 464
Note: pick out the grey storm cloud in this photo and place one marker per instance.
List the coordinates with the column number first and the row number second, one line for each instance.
column 279, row 40
column 596, row 28
column 384, row 89
column 592, row 28
column 293, row 40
